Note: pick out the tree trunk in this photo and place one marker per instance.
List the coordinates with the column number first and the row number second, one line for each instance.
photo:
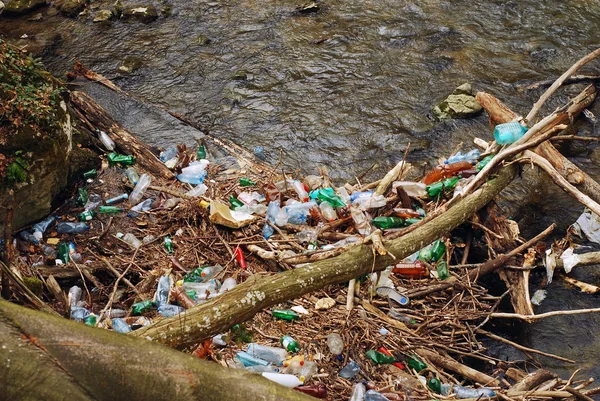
column 244, row 301
column 96, row 117
column 44, row 357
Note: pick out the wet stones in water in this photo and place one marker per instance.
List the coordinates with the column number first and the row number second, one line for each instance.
column 145, row 14
column 103, row 16
column 130, row 64
column 460, row 104
column 72, row 8
column 22, row 6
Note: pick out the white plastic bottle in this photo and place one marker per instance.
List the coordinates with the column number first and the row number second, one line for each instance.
column 286, row 380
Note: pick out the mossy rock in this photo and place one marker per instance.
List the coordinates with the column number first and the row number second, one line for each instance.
column 72, row 8
column 34, row 284
column 104, row 16
column 145, row 14
column 18, row 7
column 460, row 104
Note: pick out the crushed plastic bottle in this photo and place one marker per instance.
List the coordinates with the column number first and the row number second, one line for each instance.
column 335, row 343
column 329, row 195
column 162, row 292
column 274, row 355
column 350, row 370
column 379, row 358
column 328, row 211
column 442, row 270
column 285, row 314
column 466, row 392
column 140, row 189
column 358, row 392
column 120, row 326
column 508, row 133
column 71, row 228
column 168, row 154
column 131, row 239
column 272, row 211
column 361, row 221
column 249, row 360
column 140, row 207
column 43, row 225
column 28, row 236
column 471, row 156
column 367, row 200
column 373, row 395
column 94, row 200
column 210, row 272
column 199, row 190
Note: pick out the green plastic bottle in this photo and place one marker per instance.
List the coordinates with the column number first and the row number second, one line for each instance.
column 246, row 182
column 201, row 154
column 115, row 158
column 235, row 202
column 142, row 307
column 63, row 252
column 90, row 174
column 379, row 358
column 411, row 220
column 168, row 244
column 385, row 222
column 110, row 209
column 434, row 385
column 195, row 276
column 87, row 215
column 437, row 188
column 442, row 270
column 82, row 197
column 290, row 344
column 438, row 248
column 484, row 162
column 91, row 320
column 415, row 363
column 285, row 314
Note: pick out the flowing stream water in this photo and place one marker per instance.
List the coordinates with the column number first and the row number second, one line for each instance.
column 349, row 87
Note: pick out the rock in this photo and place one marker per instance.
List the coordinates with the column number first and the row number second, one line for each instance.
column 22, row 6
column 104, row 16
column 130, row 64
column 203, row 40
column 72, row 8
column 36, row 17
column 240, row 75
column 145, row 14
column 460, row 104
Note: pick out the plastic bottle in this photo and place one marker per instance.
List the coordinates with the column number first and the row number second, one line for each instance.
column 261, row 369
column 94, row 200
column 201, row 153
column 315, row 390
column 168, row 244
column 132, row 240
column 508, row 133
column 412, row 189
column 335, row 343
column 109, row 209
column 470, row 156
column 132, row 175
column 71, row 228
column 88, row 175
column 379, row 358
column 124, row 160
column 162, row 292
column 350, row 370
column 361, row 221
column 168, row 310
column 290, row 344
column 358, row 392
column 434, row 385
column 228, row 284
column 412, row 270
column 437, row 188
column 285, row 314
column 286, row 380
column 329, row 195
column 373, row 395
column 385, row 222
column 86, row 215
column 140, row 207
column 442, row 270
column 298, row 212
column 192, row 178
column 120, row 326
column 272, row 211
column 282, row 218
column 140, row 189
column 142, row 307
column 210, row 272
column 294, row 368
column 117, row 199
column 370, row 202
column 239, row 257
column 168, row 154
column 259, row 152
column 29, row 237
column 106, row 141
column 249, row 360
column 328, row 211
column 484, row 162
column 415, row 363
column 43, row 225
column 49, row 251
column 196, row 167
column 438, row 248
column 444, row 171
column 275, row 355
column 308, row 370
column 301, row 190
column 199, row 190
column 466, row 392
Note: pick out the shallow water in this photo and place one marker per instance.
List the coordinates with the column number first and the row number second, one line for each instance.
column 347, row 87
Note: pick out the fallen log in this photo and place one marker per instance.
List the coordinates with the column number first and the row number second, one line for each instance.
column 49, row 358
column 256, row 294
column 96, row 117
column 457, row 367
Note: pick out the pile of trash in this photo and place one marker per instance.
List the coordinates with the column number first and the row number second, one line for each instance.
column 151, row 251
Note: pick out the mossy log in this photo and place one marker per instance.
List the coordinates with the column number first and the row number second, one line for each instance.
column 255, row 294
column 43, row 357
column 96, row 117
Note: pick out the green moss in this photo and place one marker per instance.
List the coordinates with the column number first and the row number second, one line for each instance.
column 34, row 284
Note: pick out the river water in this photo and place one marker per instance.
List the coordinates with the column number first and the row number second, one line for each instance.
column 348, row 87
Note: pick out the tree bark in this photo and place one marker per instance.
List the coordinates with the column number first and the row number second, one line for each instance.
column 247, row 299
column 43, row 357
column 96, row 117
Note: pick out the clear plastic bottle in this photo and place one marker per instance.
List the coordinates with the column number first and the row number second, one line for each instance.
column 328, row 211
column 361, row 221
column 275, row 355
column 120, row 326
column 210, row 272
column 470, row 156
column 282, row 218
column 335, row 343
column 140, row 207
column 308, row 370
column 261, row 369
column 228, row 284
column 132, row 240
column 106, row 141
column 162, row 292
column 132, row 175
column 196, row 167
column 71, row 228
column 140, row 189
column 300, row 190
column 249, row 360
column 199, row 190
column 192, row 178
column 358, row 392
column 168, row 310
column 373, row 395
column 350, row 370
column 168, row 154
column 272, row 211
column 466, row 392
column 94, row 200
column 43, row 225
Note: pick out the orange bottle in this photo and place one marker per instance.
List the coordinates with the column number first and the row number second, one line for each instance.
column 406, row 213
column 412, row 270
column 445, row 171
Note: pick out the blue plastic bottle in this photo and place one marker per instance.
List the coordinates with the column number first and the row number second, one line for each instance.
column 272, row 211
column 508, row 133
